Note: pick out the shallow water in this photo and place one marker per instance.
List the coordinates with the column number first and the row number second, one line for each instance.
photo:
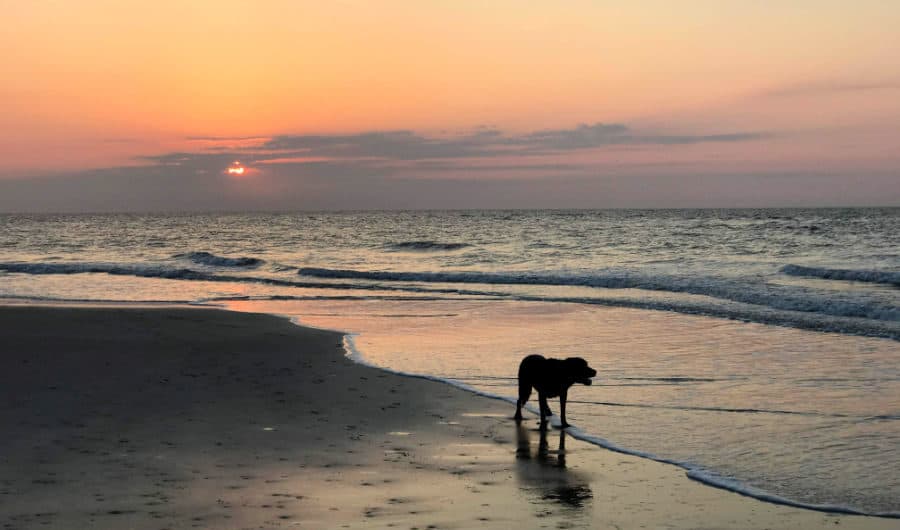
column 810, row 417
column 757, row 348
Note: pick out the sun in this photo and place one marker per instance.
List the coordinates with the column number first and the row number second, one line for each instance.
column 236, row 169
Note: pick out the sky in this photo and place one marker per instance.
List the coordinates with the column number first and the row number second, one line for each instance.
column 145, row 106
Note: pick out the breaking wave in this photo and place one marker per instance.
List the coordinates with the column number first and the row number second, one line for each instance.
column 143, row 270
column 772, row 296
column 869, row 276
column 426, row 246
column 723, row 298
column 206, row 258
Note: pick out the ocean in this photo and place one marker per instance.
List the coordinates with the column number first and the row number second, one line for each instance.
column 759, row 349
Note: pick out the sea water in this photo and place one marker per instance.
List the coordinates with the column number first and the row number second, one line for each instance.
column 758, row 349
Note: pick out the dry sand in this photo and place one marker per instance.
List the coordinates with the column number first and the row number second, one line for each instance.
column 196, row 418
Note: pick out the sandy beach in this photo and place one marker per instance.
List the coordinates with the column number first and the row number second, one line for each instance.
column 123, row 417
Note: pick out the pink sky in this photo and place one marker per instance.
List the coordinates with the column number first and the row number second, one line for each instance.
column 457, row 104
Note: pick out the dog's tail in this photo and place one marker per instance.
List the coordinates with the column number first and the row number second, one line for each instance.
column 524, row 385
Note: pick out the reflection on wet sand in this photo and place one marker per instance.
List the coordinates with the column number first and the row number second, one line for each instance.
column 544, row 474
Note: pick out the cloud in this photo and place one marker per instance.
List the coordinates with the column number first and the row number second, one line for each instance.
column 225, row 138
column 397, row 145
column 600, row 134
column 487, row 150
column 192, row 159
column 831, row 87
column 581, row 137
column 409, row 145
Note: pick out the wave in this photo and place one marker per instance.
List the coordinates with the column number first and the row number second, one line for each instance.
column 157, row 270
column 853, row 275
column 336, row 297
column 523, row 278
column 693, row 471
column 143, row 270
column 151, row 270
column 737, row 302
column 93, row 301
column 206, row 258
column 426, row 246
column 758, row 294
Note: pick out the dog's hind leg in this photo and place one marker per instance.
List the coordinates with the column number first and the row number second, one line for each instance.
column 542, row 399
column 524, row 394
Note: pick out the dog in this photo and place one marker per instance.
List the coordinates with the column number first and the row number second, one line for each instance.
column 551, row 378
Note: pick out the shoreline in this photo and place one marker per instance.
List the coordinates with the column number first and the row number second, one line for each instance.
column 243, row 419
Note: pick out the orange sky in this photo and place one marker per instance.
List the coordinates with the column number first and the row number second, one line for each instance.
column 92, row 84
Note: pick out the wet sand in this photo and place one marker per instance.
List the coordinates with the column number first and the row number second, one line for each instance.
column 197, row 418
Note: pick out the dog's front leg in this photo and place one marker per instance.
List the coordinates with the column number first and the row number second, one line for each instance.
column 562, row 408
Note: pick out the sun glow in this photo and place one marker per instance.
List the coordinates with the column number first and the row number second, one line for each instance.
column 236, row 169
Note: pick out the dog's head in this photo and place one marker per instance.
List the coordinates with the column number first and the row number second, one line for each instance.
column 579, row 371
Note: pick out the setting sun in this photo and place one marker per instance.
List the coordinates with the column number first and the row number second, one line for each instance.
column 236, row 169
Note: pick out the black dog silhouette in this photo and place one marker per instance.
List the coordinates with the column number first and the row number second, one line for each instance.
column 551, row 378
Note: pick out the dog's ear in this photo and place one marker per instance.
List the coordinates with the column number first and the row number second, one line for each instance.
column 575, row 361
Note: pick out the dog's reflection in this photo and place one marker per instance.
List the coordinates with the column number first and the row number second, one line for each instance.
column 544, row 472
